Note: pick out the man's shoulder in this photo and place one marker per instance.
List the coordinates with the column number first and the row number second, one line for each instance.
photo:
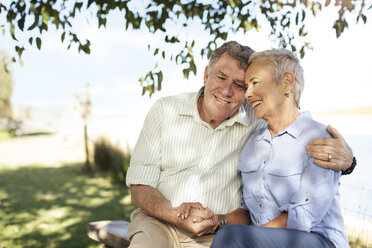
column 183, row 99
column 187, row 96
column 181, row 103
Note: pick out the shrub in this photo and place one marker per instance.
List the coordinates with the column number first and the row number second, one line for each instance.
column 109, row 158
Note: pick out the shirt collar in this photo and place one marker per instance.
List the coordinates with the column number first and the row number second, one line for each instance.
column 299, row 125
column 191, row 109
column 295, row 129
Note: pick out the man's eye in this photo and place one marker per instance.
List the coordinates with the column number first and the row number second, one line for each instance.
column 240, row 86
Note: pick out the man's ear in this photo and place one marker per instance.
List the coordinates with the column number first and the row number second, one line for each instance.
column 288, row 81
column 205, row 75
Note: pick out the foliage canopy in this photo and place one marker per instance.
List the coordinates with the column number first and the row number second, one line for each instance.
column 218, row 18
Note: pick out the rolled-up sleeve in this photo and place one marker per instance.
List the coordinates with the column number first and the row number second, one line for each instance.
column 310, row 204
column 145, row 163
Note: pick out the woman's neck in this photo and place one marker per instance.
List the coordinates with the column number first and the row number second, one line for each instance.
column 282, row 119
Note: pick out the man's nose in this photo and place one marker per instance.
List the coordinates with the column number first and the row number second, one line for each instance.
column 227, row 88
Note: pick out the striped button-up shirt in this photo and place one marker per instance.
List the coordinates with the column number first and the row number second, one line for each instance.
column 186, row 159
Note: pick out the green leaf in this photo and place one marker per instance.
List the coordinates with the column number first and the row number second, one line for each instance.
column 78, row 6
column 247, row 26
column 297, row 18
column 46, row 16
column 12, row 31
column 163, row 54
column 193, row 67
column 21, row 23
column 102, row 21
column 303, row 15
column 327, row 3
column 63, row 36
column 186, row 73
column 302, row 52
column 364, row 18
column 19, row 50
column 34, row 24
column 38, row 43
column 232, row 4
column 30, row 40
column 156, row 51
column 160, row 79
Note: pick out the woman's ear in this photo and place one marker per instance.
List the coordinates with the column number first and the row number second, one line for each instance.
column 288, row 81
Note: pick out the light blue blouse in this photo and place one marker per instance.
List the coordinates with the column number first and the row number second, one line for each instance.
column 278, row 176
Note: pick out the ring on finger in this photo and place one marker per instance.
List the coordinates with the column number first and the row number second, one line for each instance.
column 329, row 157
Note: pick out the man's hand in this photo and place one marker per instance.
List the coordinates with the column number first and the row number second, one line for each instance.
column 197, row 224
column 196, row 218
column 183, row 211
column 341, row 154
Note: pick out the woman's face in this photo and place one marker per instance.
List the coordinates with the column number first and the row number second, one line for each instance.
column 263, row 93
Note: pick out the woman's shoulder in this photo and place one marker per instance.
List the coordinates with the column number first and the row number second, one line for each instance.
column 314, row 128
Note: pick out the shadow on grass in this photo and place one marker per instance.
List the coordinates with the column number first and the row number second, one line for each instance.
column 50, row 206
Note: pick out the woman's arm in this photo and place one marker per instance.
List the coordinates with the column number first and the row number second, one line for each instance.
column 309, row 205
column 238, row 216
column 278, row 222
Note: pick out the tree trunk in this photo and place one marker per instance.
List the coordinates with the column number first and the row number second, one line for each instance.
column 87, row 166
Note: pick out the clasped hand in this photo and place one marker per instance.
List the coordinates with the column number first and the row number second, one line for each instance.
column 196, row 218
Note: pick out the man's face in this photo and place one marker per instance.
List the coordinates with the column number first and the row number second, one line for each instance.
column 224, row 90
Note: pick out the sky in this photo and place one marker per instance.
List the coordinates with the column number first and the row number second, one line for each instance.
column 337, row 72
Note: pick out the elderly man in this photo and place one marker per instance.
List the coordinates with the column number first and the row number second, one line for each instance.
column 188, row 150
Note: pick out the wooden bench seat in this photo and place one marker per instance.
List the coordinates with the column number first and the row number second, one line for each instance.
column 113, row 233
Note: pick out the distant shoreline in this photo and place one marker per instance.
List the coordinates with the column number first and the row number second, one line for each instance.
column 353, row 111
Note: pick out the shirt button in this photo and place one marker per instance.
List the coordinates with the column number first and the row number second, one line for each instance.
column 260, row 205
column 265, row 162
column 307, row 199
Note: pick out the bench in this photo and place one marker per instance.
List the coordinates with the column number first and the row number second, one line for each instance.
column 113, row 233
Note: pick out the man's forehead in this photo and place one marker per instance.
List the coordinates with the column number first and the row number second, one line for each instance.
column 236, row 75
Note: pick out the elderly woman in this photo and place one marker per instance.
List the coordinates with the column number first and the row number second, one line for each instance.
column 288, row 201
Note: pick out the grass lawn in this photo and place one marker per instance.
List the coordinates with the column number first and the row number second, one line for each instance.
column 4, row 136
column 43, row 206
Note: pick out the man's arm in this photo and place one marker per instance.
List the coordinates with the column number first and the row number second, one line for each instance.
column 155, row 204
column 321, row 148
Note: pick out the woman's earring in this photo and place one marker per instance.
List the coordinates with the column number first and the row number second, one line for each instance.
column 287, row 93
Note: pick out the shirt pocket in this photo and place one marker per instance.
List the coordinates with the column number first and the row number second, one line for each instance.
column 250, row 175
column 283, row 182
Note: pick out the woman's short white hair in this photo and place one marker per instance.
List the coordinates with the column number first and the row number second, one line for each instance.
column 283, row 61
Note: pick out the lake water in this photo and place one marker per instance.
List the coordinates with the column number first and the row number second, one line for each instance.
column 356, row 188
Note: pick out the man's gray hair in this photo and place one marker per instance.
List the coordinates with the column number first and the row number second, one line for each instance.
column 235, row 50
column 283, row 61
